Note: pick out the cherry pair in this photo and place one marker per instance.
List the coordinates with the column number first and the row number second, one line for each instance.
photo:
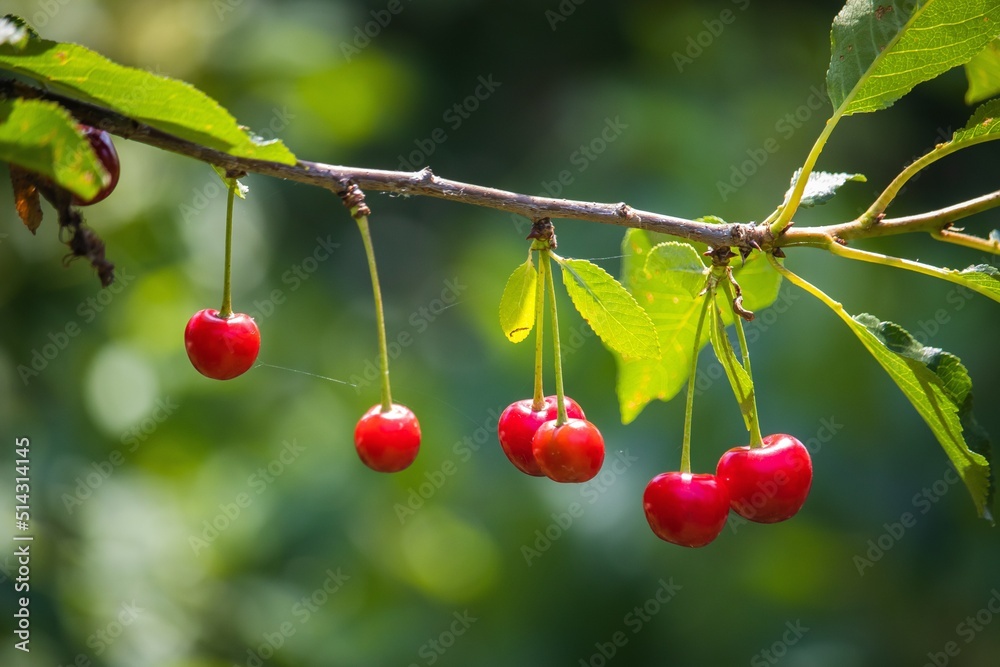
column 538, row 445
column 765, row 484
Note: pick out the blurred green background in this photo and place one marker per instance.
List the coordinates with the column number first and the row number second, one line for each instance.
column 140, row 465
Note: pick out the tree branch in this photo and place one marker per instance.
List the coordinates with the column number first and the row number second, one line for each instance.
column 968, row 241
column 936, row 223
column 878, row 207
column 746, row 237
column 423, row 182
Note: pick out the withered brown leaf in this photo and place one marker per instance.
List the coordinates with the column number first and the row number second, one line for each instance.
column 26, row 197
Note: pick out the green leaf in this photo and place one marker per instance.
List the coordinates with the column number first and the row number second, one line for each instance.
column 983, row 73
column 823, row 185
column 739, row 380
column 880, row 51
column 609, row 309
column 43, row 137
column 938, row 386
column 517, row 305
column 979, row 442
column 166, row 104
column 759, row 282
column 665, row 275
column 984, row 125
column 982, row 278
column 666, row 279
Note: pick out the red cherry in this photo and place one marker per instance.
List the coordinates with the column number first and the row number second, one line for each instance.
column 387, row 441
column 573, row 452
column 221, row 347
column 101, row 142
column 518, row 424
column 686, row 509
column 770, row 483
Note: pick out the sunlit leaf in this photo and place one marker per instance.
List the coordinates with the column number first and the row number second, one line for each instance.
column 666, row 274
column 983, row 73
column 880, row 51
column 42, row 137
column 759, row 282
column 167, row 104
column 517, row 305
column 666, row 280
column 938, row 386
column 823, row 185
column 984, row 125
column 982, row 278
column 609, row 309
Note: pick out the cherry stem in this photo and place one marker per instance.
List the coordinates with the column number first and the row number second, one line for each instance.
column 689, row 403
column 383, row 351
column 226, row 311
column 538, row 403
column 756, row 440
column 546, row 270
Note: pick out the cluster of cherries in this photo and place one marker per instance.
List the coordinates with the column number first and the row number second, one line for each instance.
column 538, row 444
column 765, row 484
column 224, row 346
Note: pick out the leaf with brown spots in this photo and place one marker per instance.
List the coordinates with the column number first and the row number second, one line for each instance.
column 879, row 53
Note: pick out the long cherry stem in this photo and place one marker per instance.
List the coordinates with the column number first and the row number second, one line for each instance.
column 545, row 263
column 689, row 403
column 383, row 350
column 226, row 311
column 538, row 402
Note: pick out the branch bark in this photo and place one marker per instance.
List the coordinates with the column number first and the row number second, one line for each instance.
column 745, row 236
column 937, row 223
